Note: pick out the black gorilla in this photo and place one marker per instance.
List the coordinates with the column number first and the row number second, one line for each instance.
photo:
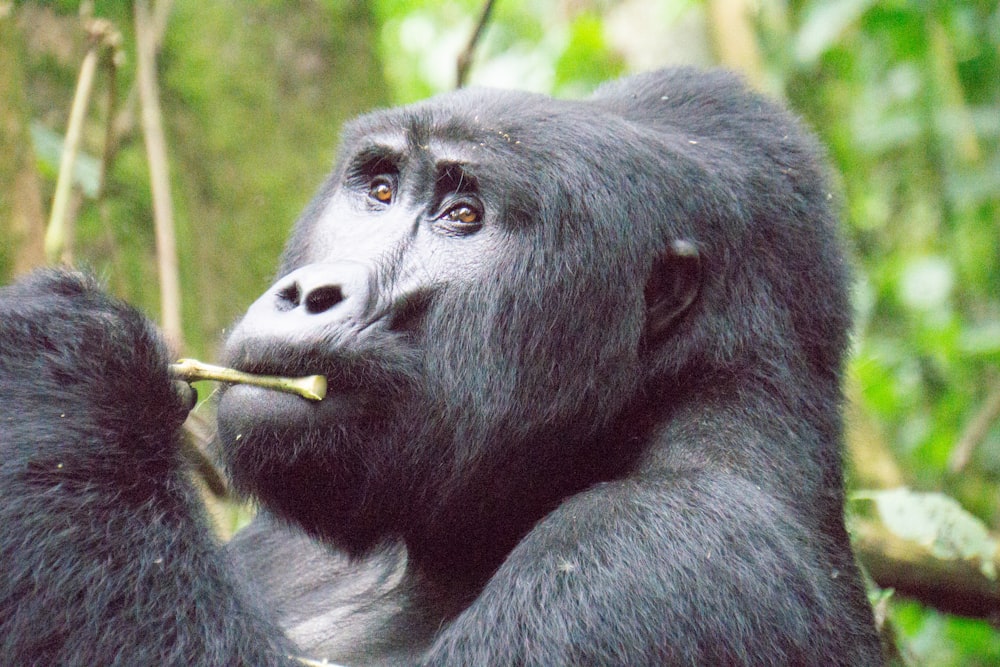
column 585, row 361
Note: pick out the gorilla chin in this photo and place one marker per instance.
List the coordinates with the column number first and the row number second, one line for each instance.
column 277, row 448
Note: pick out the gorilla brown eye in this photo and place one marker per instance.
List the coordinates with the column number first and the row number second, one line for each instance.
column 381, row 190
column 463, row 214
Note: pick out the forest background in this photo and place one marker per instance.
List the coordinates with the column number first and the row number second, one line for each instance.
column 210, row 124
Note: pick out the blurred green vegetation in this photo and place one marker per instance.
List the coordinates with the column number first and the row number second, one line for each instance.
column 253, row 96
column 905, row 95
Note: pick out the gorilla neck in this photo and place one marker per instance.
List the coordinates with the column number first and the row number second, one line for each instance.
column 478, row 523
column 737, row 419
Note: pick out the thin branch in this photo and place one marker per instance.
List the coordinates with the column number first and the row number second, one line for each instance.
column 199, row 434
column 161, row 12
column 975, row 432
column 465, row 58
column 734, row 38
column 159, row 174
column 952, row 586
column 56, row 246
column 108, row 154
column 124, row 120
column 312, row 387
column 101, row 37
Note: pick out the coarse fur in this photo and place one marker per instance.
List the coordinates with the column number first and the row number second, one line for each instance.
column 585, row 361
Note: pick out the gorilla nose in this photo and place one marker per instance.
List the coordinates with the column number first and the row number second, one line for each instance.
column 321, row 288
column 314, row 300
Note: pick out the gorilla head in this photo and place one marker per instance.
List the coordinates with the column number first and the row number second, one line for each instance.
column 513, row 297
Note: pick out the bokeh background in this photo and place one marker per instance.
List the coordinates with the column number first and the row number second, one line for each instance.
column 905, row 94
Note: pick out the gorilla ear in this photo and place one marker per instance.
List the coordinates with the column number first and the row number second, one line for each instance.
column 672, row 287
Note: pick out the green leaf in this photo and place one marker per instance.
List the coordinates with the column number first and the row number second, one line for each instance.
column 49, row 147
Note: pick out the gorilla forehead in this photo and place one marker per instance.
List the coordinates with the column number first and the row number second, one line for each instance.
column 490, row 118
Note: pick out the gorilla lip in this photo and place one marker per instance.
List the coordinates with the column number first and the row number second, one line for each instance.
column 312, row 387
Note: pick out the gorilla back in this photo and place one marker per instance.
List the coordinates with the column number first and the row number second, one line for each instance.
column 584, row 362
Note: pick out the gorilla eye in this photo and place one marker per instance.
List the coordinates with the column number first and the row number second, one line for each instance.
column 381, row 190
column 463, row 214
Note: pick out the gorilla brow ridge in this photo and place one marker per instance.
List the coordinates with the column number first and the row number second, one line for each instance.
column 375, row 158
column 453, row 177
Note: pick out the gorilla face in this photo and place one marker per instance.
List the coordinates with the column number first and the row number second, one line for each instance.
column 470, row 289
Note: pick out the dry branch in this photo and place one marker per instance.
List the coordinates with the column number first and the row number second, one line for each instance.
column 57, row 248
column 312, row 387
column 976, row 431
column 159, row 174
column 953, row 586
column 465, row 58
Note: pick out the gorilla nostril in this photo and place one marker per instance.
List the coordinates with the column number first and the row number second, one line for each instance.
column 322, row 299
column 288, row 297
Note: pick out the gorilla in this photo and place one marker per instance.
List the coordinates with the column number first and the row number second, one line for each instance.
column 585, row 363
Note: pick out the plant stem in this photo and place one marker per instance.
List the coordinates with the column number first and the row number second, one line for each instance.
column 312, row 387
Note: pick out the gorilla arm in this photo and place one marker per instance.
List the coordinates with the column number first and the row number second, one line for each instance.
column 107, row 556
column 694, row 568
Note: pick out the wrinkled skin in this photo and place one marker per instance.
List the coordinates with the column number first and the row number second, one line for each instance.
column 584, row 363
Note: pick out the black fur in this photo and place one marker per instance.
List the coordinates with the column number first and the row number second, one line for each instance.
column 106, row 557
column 602, row 415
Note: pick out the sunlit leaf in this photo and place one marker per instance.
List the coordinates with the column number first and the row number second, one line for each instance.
column 926, row 283
column 981, row 341
column 939, row 523
column 824, row 23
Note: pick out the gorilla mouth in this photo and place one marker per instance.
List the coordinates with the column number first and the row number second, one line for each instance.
column 359, row 383
column 245, row 410
column 250, row 408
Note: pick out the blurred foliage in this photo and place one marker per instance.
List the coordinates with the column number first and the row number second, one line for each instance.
column 253, row 96
column 904, row 93
column 907, row 97
column 541, row 46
